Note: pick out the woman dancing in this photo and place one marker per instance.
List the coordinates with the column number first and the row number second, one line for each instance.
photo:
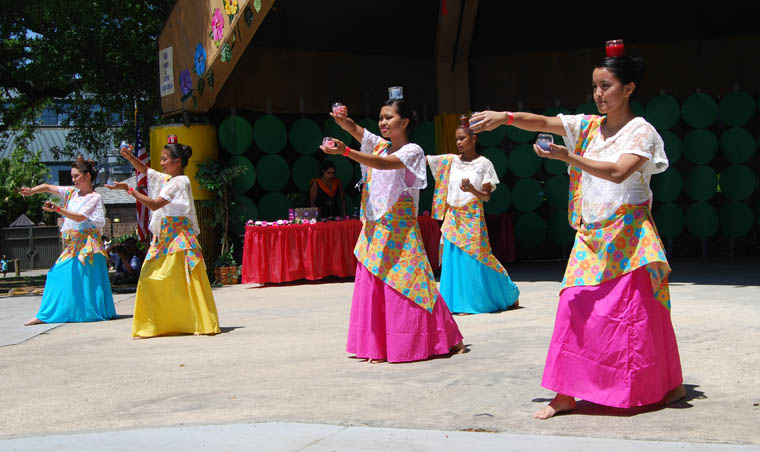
column 473, row 281
column 397, row 313
column 77, row 288
column 613, row 341
column 173, row 292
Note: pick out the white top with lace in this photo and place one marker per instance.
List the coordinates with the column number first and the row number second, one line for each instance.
column 479, row 171
column 89, row 205
column 600, row 198
column 388, row 185
column 177, row 191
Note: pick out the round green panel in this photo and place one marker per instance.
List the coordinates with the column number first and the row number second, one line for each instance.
column 702, row 219
column 371, row 125
column 554, row 111
column 499, row 160
column 305, row 136
column 737, row 145
column 673, row 146
column 333, row 130
column 667, row 186
column 699, row 110
column 669, row 220
column 737, row 182
column 559, row 228
column 530, row 229
column 701, row 183
column 527, row 194
column 273, row 172
column 424, row 136
column 270, row 134
column 426, row 200
column 736, row 219
column 349, row 206
column 246, row 180
column 663, row 112
column 305, row 169
column 523, row 160
column 700, row 146
column 519, row 135
column 273, row 207
column 589, row 108
column 736, row 109
column 555, row 167
column 637, row 109
column 343, row 169
column 235, row 134
column 494, row 137
column 243, row 209
column 557, row 190
column 500, row 200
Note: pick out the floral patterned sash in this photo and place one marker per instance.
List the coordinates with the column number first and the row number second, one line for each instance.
column 380, row 148
column 83, row 245
column 590, row 125
column 441, row 193
column 391, row 249
column 610, row 248
column 176, row 235
column 465, row 227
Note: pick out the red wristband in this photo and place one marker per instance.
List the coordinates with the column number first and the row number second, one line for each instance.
column 58, row 209
column 345, row 153
column 510, row 118
column 130, row 190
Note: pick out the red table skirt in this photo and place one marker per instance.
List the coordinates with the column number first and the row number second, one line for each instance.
column 275, row 254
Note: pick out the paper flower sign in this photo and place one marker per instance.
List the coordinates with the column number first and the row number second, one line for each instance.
column 201, row 85
column 210, row 80
column 248, row 16
column 217, row 26
column 200, row 60
column 185, row 84
column 257, row 5
column 226, row 52
column 231, row 8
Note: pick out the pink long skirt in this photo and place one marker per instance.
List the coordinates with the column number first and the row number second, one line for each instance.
column 386, row 325
column 613, row 344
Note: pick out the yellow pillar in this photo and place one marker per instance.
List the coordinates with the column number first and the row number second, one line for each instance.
column 200, row 137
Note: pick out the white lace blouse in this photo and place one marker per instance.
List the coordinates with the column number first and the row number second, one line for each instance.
column 388, row 185
column 89, row 205
column 177, row 191
column 479, row 171
column 602, row 197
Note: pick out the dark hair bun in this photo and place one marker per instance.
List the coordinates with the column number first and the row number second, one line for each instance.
column 626, row 69
column 180, row 151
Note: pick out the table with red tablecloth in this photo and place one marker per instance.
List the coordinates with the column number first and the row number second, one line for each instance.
column 281, row 253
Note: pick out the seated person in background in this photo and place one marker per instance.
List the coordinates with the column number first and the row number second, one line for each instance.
column 4, row 265
column 327, row 193
column 127, row 259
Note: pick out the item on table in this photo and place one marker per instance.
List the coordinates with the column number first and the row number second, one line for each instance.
column 544, row 140
column 396, row 93
column 615, row 48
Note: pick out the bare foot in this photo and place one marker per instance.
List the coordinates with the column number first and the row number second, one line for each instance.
column 560, row 403
column 674, row 395
column 458, row 349
column 376, row 361
column 515, row 305
column 33, row 321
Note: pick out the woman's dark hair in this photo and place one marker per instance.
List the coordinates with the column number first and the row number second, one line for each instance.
column 626, row 69
column 406, row 112
column 180, row 151
column 327, row 164
column 86, row 167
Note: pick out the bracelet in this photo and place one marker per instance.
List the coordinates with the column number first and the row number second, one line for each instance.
column 58, row 209
column 345, row 153
column 130, row 190
column 510, row 117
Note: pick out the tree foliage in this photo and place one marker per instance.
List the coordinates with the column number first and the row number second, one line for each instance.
column 220, row 181
column 23, row 169
column 95, row 57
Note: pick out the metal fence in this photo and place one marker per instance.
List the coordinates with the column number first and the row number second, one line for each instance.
column 35, row 247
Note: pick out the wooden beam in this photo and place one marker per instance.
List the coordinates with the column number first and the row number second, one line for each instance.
column 190, row 24
column 452, row 56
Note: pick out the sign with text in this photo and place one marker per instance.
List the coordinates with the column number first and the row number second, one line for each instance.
column 166, row 70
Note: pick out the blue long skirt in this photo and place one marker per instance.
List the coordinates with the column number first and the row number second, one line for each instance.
column 76, row 292
column 469, row 286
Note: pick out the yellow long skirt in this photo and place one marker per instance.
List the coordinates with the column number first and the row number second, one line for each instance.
column 166, row 304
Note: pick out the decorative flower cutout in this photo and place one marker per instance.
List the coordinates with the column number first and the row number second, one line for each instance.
column 200, row 60
column 231, row 8
column 248, row 15
column 210, row 80
column 257, row 5
column 226, row 52
column 217, row 26
column 185, row 83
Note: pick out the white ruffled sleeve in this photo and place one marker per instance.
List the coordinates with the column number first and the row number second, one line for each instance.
column 646, row 142
column 572, row 125
column 489, row 174
column 413, row 158
column 156, row 180
column 94, row 210
column 63, row 191
column 175, row 191
column 369, row 141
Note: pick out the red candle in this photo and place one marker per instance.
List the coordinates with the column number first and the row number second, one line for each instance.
column 615, row 48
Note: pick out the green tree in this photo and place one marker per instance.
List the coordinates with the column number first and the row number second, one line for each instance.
column 23, row 168
column 94, row 58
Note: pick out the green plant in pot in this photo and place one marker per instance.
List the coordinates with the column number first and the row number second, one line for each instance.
column 220, row 181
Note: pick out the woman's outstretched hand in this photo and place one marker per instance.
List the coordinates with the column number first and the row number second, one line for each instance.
column 343, row 121
column 127, row 152
column 484, row 121
column 555, row 152
column 25, row 191
column 118, row 186
column 339, row 148
column 50, row 206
